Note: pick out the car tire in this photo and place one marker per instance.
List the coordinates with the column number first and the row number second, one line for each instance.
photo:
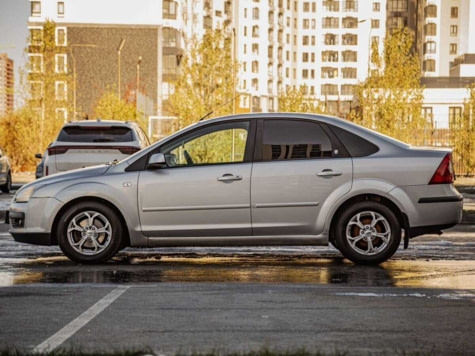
column 90, row 233
column 8, row 184
column 368, row 233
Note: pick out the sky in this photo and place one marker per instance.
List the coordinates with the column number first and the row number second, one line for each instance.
column 14, row 32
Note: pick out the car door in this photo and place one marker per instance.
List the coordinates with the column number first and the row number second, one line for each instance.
column 204, row 190
column 3, row 167
column 297, row 168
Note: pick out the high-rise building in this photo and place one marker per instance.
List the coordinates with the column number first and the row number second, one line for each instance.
column 6, row 84
column 322, row 46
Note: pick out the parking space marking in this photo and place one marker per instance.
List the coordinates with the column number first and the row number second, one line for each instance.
column 74, row 326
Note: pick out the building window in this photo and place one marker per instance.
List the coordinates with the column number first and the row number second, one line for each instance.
column 430, row 47
column 431, row 11
column 455, row 113
column 61, row 114
column 427, row 114
column 305, row 57
column 169, row 64
column 397, row 22
column 169, row 37
column 255, row 31
column 306, row 24
column 330, row 39
column 60, row 8
column 428, row 65
column 347, row 89
column 453, row 48
column 305, row 40
column 255, row 67
column 169, row 9
column 305, row 73
column 350, row 5
column 36, row 63
column 255, row 48
column 329, row 89
column 36, row 8
column 430, row 29
column 453, row 30
column 61, row 37
column 349, row 56
column 350, row 39
column 329, row 72
column 397, row 5
column 376, row 7
column 36, row 90
column 255, row 13
column 350, row 22
column 348, row 73
column 36, row 36
column 329, row 56
column 306, row 6
column 61, row 92
column 331, row 6
column 374, row 23
column 330, row 22
column 61, row 63
column 454, row 12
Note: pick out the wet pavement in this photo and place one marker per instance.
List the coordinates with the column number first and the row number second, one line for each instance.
column 185, row 300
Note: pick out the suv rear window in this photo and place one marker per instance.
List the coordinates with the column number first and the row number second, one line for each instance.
column 96, row 134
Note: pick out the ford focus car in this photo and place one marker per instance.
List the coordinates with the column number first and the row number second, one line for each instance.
column 254, row 179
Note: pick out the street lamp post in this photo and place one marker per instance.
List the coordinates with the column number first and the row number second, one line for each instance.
column 118, row 64
column 139, row 61
column 74, row 70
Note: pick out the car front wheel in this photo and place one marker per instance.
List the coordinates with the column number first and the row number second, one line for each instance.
column 368, row 233
column 90, row 232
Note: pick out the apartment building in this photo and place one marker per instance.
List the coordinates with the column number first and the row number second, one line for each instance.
column 319, row 44
column 6, row 84
column 131, row 47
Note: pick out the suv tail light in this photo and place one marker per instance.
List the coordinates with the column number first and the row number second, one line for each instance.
column 57, row 150
column 126, row 150
column 444, row 174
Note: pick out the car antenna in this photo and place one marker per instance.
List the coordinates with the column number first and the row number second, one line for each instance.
column 219, row 107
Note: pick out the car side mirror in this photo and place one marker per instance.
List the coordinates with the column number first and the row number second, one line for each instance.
column 156, row 161
column 38, row 155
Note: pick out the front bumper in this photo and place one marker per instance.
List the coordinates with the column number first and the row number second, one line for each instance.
column 32, row 222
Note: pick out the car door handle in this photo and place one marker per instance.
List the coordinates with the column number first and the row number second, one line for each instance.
column 329, row 173
column 229, row 178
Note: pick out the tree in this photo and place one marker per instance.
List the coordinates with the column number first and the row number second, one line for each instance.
column 19, row 136
column 390, row 100
column 296, row 100
column 462, row 136
column 49, row 82
column 111, row 107
column 205, row 82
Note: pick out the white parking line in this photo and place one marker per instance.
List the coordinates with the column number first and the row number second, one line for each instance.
column 73, row 327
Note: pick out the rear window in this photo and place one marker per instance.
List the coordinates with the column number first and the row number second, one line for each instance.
column 356, row 145
column 96, row 134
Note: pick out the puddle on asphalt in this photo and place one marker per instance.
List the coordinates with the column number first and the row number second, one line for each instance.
column 244, row 269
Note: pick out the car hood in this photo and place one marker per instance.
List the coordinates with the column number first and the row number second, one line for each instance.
column 74, row 174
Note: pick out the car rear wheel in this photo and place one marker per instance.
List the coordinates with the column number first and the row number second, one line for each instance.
column 368, row 233
column 90, row 232
column 8, row 184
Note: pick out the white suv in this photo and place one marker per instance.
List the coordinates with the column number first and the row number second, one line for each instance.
column 88, row 143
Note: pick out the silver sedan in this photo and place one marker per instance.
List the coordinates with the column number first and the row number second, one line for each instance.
column 255, row 179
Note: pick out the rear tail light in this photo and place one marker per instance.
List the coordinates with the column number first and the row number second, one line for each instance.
column 58, row 150
column 445, row 172
column 126, row 150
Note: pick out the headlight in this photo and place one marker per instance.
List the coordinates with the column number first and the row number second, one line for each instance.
column 23, row 195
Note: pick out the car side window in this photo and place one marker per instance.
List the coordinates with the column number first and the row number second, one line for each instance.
column 217, row 144
column 294, row 139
